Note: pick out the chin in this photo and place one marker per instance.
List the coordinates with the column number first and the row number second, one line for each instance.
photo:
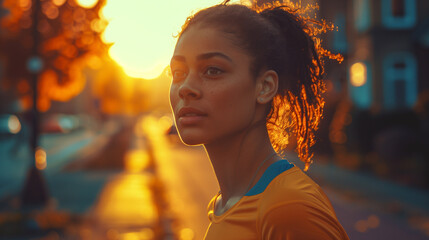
column 190, row 140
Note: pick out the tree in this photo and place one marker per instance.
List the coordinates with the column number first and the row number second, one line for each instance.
column 44, row 44
column 69, row 36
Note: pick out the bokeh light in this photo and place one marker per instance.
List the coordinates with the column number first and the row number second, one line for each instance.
column 50, row 10
column 143, row 37
column 87, row 3
column 373, row 221
column 361, row 226
column 364, row 225
column 58, row 2
column 358, row 74
column 25, row 4
column 40, row 159
column 14, row 125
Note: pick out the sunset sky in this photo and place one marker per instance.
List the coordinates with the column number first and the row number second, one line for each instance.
column 142, row 32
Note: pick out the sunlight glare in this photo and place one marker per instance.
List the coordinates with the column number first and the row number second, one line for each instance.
column 186, row 234
column 87, row 3
column 142, row 32
column 126, row 200
column 136, row 161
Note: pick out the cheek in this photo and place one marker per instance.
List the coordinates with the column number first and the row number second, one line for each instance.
column 233, row 100
column 173, row 95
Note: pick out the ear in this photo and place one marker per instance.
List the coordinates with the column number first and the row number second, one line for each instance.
column 268, row 83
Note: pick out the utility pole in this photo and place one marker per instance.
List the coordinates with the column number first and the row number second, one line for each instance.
column 35, row 192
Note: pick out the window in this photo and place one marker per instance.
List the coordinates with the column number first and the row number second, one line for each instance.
column 398, row 14
column 399, row 80
column 362, row 15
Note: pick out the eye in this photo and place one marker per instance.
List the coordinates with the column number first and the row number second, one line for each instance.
column 178, row 74
column 213, row 71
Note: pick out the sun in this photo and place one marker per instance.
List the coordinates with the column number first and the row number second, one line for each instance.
column 142, row 32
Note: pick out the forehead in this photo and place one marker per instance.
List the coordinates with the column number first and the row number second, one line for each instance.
column 198, row 39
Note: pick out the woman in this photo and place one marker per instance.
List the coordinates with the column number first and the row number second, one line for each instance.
column 243, row 79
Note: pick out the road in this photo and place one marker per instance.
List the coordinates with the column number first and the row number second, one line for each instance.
column 59, row 148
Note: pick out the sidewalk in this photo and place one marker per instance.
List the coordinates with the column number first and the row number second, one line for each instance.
column 372, row 208
column 129, row 206
column 378, row 190
column 60, row 149
column 410, row 199
column 101, row 197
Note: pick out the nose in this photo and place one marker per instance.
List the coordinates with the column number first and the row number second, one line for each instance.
column 189, row 89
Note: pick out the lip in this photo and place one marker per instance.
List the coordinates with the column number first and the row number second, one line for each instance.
column 184, row 117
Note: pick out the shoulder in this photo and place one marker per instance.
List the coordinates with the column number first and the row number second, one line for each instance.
column 293, row 186
column 300, row 220
column 295, row 205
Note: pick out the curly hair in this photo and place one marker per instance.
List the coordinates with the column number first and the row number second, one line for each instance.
column 282, row 38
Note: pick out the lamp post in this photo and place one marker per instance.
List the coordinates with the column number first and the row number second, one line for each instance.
column 35, row 191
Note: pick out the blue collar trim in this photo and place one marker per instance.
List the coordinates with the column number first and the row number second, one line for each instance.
column 272, row 171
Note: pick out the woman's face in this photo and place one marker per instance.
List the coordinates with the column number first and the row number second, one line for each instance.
column 212, row 94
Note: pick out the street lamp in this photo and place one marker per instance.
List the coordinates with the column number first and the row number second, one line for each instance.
column 35, row 191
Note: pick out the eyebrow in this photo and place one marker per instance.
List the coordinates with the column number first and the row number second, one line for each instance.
column 203, row 56
column 213, row 54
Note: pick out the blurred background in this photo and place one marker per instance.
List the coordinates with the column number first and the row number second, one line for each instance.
column 88, row 148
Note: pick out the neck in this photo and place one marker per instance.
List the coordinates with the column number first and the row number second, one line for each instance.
column 237, row 158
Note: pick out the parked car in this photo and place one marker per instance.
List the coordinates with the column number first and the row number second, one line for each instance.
column 59, row 123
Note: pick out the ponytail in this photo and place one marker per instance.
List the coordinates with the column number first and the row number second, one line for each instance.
column 301, row 87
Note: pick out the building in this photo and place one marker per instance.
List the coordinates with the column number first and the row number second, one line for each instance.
column 384, row 77
column 386, row 43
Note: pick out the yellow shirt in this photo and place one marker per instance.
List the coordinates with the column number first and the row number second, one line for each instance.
column 289, row 205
